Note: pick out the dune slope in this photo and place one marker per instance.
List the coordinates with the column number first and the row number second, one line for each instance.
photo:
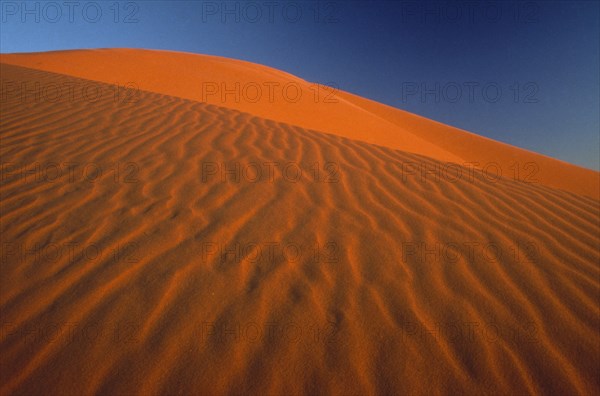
column 171, row 246
column 272, row 94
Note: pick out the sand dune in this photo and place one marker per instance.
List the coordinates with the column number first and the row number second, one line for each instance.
column 272, row 94
column 168, row 246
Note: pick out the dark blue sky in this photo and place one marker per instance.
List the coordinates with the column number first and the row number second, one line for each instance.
column 525, row 73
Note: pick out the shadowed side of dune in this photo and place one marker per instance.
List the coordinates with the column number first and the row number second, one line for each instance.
column 162, row 245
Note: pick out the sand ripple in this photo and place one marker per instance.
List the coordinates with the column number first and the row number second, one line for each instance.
column 200, row 261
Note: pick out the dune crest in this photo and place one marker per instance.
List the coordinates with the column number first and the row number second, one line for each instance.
column 272, row 94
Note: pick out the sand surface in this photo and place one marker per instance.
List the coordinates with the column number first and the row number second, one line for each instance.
column 158, row 243
column 271, row 94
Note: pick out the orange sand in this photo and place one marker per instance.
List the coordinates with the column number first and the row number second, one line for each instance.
column 192, row 77
column 179, row 270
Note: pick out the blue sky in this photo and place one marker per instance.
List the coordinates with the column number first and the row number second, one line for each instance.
column 525, row 73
